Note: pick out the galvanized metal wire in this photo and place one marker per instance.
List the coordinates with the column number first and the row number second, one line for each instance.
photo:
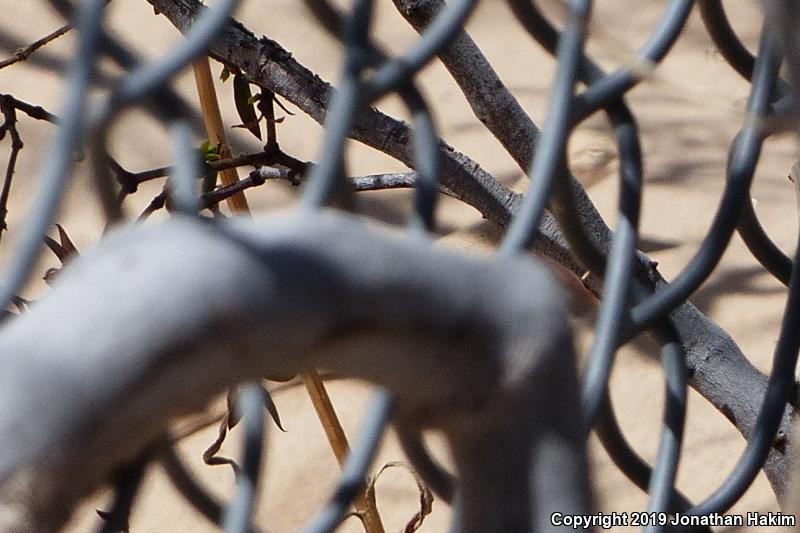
column 627, row 307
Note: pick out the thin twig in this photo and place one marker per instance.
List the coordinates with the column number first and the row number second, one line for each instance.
column 155, row 204
column 23, row 53
column 259, row 176
column 33, row 111
column 9, row 126
column 267, row 157
column 128, row 180
column 267, row 106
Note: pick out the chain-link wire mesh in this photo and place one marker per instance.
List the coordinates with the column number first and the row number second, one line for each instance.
column 629, row 305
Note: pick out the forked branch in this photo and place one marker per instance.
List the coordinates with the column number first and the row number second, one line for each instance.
column 720, row 371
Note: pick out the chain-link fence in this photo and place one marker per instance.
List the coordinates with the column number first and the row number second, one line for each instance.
column 480, row 349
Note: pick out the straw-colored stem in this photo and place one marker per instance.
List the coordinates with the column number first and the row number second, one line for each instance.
column 364, row 504
column 216, row 130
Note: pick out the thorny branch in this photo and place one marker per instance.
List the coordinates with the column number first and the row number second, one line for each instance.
column 33, row 111
column 131, row 180
column 8, row 108
column 261, row 175
column 371, row 182
column 9, row 127
column 720, row 371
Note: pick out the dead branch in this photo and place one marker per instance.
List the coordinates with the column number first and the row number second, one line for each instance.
column 720, row 371
column 455, row 338
column 23, row 53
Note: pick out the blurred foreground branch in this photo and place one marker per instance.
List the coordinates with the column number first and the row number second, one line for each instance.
column 455, row 338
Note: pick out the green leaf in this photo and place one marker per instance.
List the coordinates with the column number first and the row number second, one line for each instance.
column 204, row 147
column 225, row 74
column 210, row 152
column 245, row 108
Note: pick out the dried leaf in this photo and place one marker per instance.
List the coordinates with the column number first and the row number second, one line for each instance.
column 244, row 106
column 231, row 418
column 215, row 446
column 210, row 456
column 425, row 495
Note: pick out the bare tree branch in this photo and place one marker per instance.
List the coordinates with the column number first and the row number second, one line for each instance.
column 721, row 372
column 9, row 126
column 270, row 66
column 713, row 356
column 33, row 111
column 455, row 338
column 23, row 53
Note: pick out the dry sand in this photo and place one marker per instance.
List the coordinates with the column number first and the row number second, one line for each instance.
column 688, row 114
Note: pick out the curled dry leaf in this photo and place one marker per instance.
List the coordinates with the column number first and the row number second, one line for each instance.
column 210, row 456
column 425, row 495
column 229, row 421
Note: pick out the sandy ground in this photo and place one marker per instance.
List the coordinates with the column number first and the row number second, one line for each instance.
column 688, row 113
